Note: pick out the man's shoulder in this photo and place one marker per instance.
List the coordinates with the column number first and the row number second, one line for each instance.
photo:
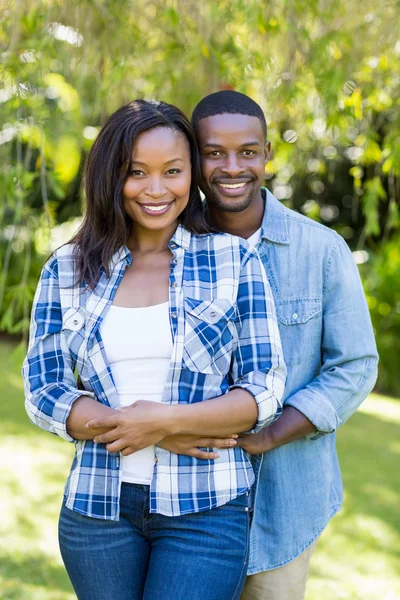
column 308, row 230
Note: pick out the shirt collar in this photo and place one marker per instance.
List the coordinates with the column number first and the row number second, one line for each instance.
column 274, row 225
column 180, row 238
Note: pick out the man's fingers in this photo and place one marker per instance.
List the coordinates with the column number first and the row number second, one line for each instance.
column 216, row 442
column 197, row 453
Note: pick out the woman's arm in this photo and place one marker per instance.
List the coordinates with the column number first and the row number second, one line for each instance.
column 253, row 401
column 51, row 389
column 83, row 410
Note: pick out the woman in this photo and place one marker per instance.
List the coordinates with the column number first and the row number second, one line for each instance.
column 155, row 314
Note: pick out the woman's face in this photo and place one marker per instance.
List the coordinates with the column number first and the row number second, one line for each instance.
column 158, row 185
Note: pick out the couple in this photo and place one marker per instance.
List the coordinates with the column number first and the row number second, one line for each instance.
column 157, row 310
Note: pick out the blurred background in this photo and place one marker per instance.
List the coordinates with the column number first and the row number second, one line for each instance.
column 327, row 75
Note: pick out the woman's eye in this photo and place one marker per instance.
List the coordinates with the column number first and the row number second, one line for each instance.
column 215, row 153
column 173, row 171
column 136, row 173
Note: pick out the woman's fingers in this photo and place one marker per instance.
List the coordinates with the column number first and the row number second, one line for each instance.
column 107, row 437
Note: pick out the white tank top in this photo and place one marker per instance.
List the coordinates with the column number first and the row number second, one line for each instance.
column 138, row 345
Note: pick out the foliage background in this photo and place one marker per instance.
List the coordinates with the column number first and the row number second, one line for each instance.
column 326, row 75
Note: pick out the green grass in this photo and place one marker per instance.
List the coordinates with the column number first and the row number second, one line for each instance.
column 357, row 558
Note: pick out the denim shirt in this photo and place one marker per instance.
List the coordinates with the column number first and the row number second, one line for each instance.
column 331, row 358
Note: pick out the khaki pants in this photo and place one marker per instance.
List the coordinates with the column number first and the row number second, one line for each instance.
column 285, row 583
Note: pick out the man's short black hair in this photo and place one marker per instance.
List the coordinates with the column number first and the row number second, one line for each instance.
column 227, row 102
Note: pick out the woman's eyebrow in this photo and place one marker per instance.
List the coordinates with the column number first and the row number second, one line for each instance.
column 172, row 160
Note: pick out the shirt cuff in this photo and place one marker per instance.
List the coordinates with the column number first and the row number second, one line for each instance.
column 317, row 409
column 267, row 404
column 57, row 422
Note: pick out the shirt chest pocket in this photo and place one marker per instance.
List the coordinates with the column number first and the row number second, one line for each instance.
column 73, row 328
column 210, row 335
column 300, row 326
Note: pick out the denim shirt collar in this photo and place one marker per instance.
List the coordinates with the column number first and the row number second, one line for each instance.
column 274, row 225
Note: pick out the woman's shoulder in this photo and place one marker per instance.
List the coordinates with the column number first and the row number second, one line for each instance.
column 225, row 248
column 62, row 261
column 220, row 241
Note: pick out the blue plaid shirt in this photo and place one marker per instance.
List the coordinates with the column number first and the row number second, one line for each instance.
column 225, row 336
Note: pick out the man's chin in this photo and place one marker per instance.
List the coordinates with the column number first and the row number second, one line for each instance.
column 227, row 204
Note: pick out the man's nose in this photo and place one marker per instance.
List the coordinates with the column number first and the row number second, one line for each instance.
column 232, row 166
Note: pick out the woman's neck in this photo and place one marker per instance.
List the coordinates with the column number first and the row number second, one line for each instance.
column 148, row 241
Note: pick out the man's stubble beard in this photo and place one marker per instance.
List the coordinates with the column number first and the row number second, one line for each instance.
column 229, row 206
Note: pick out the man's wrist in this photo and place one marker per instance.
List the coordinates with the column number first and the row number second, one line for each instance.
column 269, row 438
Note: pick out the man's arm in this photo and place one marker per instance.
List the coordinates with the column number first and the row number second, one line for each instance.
column 349, row 363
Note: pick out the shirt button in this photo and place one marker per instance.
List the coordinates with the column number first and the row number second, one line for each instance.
column 173, row 245
column 173, row 315
column 174, row 261
column 174, row 284
column 247, row 509
column 213, row 314
column 155, row 459
column 295, row 316
column 75, row 321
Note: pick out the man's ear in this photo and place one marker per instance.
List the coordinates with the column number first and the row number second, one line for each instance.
column 267, row 151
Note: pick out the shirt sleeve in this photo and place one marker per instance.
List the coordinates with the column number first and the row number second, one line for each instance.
column 48, row 369
column 348, row 352
column 258, row 364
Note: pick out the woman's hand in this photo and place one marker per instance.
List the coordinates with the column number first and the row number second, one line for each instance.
column 190, row 445
column 134, row 427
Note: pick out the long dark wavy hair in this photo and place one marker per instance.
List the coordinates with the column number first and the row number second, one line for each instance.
column 106, row 226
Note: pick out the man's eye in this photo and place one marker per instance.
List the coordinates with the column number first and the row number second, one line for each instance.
column 249, row 152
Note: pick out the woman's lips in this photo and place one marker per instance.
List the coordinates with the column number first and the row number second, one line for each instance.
column 155, row 210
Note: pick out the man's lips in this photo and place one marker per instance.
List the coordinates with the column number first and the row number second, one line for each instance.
column 232, row 187
column 156, row 208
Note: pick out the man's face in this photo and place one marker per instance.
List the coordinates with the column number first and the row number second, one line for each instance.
column 233, row 157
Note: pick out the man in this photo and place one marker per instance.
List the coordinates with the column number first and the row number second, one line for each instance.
column 327, row 339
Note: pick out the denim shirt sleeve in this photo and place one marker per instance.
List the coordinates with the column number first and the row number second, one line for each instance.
column 257, row 364
column 48, row 369
column 348, row 352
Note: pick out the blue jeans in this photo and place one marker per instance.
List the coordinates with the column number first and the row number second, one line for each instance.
column 143, row 556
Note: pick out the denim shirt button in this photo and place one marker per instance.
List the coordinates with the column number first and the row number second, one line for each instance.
column 295, row 316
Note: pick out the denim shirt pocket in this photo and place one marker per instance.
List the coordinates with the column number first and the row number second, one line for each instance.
column 210, row 333
column 300, row 326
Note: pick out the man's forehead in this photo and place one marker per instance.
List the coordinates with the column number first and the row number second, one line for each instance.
column 230, row 125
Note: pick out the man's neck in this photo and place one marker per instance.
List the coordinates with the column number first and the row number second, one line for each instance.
column 242, row 224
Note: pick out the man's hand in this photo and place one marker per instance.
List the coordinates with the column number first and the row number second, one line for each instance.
column 190, row 445
column 256, row 443
column 134, row 427
column 292, row 425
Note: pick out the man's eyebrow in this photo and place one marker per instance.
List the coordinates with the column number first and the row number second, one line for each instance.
column 138, row 162
column 244, row 145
